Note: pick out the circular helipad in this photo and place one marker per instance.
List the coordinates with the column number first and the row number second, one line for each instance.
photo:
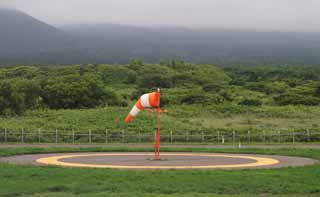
column 169, row 160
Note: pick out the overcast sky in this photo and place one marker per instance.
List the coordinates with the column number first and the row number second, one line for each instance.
column 281, row 15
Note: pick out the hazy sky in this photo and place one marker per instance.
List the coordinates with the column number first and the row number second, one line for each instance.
column 283, row 15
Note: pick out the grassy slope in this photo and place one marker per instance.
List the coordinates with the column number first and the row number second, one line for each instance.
column 178, row 119
column 18, row 180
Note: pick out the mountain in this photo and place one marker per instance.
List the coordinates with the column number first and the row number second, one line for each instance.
column 122, row 42
column 26, row 40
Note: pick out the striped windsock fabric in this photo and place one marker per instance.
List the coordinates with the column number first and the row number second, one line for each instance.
column 146, row 100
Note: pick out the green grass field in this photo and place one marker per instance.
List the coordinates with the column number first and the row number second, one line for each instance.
column 68, row 182
column 178, row 119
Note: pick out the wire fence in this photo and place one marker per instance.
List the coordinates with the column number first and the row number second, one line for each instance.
column 217, row 137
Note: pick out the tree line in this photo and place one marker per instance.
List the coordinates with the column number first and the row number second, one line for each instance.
column 87, row 86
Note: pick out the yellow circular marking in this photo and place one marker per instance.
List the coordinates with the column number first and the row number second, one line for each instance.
column 259, row 161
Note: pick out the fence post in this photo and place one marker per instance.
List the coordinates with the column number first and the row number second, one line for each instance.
column 106, row 136
column 123, row 137
column 233, row 137
column 56, row 136
column 187, row 136
column 279, row 136
column 171, row 137
column 90, row 136
column 218, row 137
column 264, row 136
column 72, row 136
column 139, row 136
column 5, row 135
column 249, row 137
column 202, row 136
column 308, row 135
column 293, row 137
column 22, row 137
column 39, row 136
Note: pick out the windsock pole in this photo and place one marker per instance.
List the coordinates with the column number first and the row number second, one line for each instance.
column 157, row 133
column 150, row 100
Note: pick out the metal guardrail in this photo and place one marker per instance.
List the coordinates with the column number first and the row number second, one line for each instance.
column 168, row 137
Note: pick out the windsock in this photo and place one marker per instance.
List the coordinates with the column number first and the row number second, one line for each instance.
column 146, row 100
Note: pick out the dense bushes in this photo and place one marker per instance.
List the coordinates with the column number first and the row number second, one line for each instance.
column 296, row 99
column 251, row 102
column 282, row 85
column 18, row 95
column 72, row 91
column 10, row 100
column 88, row 86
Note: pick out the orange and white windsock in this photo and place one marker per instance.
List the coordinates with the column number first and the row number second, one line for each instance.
column 146, row 100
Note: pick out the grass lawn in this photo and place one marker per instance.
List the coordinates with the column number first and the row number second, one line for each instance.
column 57, row 181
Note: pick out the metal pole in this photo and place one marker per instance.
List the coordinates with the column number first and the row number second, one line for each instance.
column 39, row 136
column 106, row 136
column 123, row 137
column 157, row 140
column 233, row 137
column 293, row 137
column 5, row 135
column 72, row 136
column 279, row 136
column 249, row 137
column 22, row 133
column 56, row 136
column 264, row 136
column 90, row 136
column 139, row 136
column 157, row 135
column 218, row 137
column 202, row 136
column 171, row 138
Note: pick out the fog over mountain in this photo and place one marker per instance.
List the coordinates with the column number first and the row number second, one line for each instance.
column 26, row 40
column 258, row 15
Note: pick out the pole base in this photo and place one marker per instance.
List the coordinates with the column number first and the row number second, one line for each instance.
column 159, row 159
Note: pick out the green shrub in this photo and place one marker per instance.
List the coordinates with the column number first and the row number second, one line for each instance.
column 251, row 102
column 296, row 99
